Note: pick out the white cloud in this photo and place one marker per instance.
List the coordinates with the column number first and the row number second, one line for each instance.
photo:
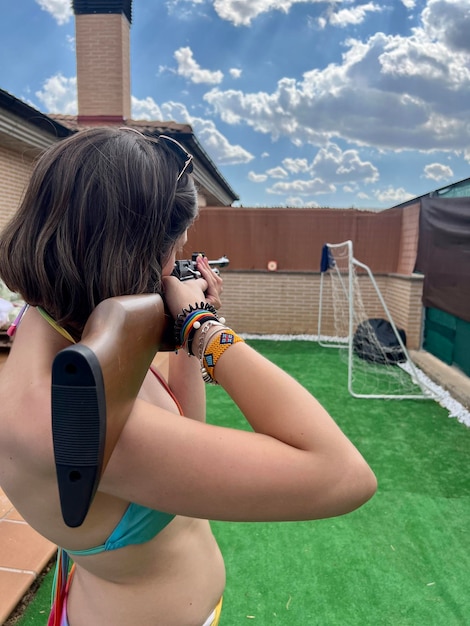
column 448, row 21
column 176, row 3
column 242, row 13
column 302, row 187
column 266, row 113
column 235, row 72
column 295, row 166
column 354, row 15
column 59, row 95
column 393, row 196
column 189, row 68
column 299, row 203
column 61, row 10
column 438, row 171
column 184, row 9
column 213, row 141
column 257, row 178
column 336, row 166
column 294, row 201
column 216, row 144
column 391, row 92
column 277, row 172
column 409, row 4
column 145, row 109
column 71, row 42
column 330, row 167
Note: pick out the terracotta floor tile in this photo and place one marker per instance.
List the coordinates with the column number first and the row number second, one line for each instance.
column 14, row 515
column 23, row 548
column 23, row 552
column 13, row 586
column 5, row 504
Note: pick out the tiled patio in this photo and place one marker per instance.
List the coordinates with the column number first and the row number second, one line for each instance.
column 23, row 552
column 23, row 556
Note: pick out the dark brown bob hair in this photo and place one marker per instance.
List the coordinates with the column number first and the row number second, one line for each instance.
column 101, row 215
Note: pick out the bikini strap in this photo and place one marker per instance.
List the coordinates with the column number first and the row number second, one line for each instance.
column 59, row 587
column 166, row 386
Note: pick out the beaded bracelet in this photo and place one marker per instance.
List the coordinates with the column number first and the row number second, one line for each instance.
column 189, row 320
column 214, row 350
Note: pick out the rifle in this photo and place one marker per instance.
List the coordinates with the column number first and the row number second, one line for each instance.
column 94, row 378
column 100, row 376
column 184, row 270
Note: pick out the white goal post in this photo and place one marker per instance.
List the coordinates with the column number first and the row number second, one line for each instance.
column 352, row 306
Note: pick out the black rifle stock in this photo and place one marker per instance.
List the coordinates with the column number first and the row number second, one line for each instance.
column 94, row 386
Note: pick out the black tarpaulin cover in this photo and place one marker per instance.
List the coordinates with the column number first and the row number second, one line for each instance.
column 444, row 254
column 375, row 341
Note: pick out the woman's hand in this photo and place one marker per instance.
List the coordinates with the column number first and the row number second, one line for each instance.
column 180, row 294
column 213, row 280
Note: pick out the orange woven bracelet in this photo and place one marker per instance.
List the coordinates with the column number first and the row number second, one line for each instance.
column 215, row 349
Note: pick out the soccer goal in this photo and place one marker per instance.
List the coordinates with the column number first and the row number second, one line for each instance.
column 354, row 317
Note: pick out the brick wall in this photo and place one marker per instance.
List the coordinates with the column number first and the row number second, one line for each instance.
column 288, row 303
column 403, row 297
column 103, row 66
column 15, row 169
column 262, row 302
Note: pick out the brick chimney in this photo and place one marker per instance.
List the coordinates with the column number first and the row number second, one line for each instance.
column 102, row 31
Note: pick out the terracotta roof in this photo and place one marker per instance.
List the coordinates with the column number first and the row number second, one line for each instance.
column 74, row 123
column 218, row 191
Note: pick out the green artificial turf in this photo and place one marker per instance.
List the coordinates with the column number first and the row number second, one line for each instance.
column 403, row 559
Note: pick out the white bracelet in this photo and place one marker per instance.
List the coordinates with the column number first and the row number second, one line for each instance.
column 204, row 336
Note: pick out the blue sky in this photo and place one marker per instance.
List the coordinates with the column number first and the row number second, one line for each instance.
column 299, row 103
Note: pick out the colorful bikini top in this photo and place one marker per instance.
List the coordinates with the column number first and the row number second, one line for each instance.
column 139, row 524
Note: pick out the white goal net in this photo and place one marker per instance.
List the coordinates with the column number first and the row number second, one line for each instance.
column 354, row 317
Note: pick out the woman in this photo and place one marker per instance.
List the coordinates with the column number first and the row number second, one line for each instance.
column 104, row 215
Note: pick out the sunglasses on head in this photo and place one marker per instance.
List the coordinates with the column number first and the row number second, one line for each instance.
column 178, row 150
column 181, row 153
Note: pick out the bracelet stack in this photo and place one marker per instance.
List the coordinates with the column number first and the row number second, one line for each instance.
column 189, row 320
column 214, row 338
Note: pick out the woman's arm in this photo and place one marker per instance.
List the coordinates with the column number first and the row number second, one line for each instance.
column 296, row 465
column 278, row 406
column 184, row 376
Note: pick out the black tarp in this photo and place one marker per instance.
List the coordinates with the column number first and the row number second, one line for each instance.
column 375, row 341
column 444, row 254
